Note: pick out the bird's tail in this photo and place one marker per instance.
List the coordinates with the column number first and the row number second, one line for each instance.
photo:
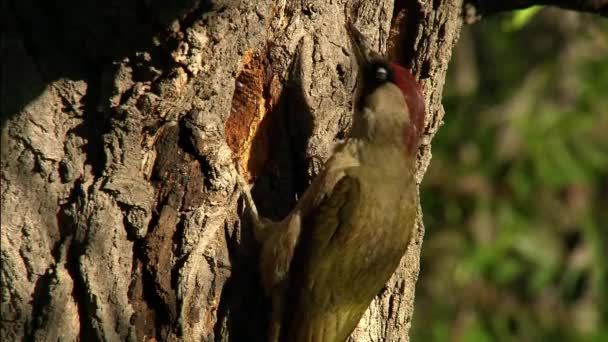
column 261, row 225
column 330, row 327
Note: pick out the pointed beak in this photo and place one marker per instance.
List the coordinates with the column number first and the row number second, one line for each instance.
column 365, row 54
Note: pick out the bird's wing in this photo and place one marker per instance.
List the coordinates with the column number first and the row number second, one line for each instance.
column 283, row 237
column 331, row 214
column 317, row 263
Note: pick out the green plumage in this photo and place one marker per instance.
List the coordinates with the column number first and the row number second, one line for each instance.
column 351, row 228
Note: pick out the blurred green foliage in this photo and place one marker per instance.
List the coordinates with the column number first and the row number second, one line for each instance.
column 516, row 198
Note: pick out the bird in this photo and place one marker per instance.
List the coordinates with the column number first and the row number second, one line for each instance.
column 323, row 264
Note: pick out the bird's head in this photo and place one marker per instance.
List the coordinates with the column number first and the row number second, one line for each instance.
column 390, row 104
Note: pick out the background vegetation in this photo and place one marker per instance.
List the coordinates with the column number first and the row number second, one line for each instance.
column 516, row 198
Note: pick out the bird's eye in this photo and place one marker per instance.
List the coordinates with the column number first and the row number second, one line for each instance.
column 381, row 74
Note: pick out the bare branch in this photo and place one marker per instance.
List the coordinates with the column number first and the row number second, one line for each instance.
column 478, row 8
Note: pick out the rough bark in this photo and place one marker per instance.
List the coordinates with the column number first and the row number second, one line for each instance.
column 121, row 126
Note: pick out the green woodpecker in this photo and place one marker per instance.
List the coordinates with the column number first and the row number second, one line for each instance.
column 326, row 261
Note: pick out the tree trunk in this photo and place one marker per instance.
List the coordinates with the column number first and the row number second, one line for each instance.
column 121, row 127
